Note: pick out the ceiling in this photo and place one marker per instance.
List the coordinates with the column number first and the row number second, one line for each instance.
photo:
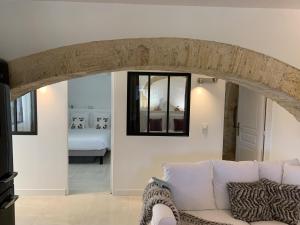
column 287, row 4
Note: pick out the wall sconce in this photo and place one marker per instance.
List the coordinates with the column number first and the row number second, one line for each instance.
column 207, row 80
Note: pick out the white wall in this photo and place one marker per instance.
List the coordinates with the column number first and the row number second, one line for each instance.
column 285, row 135
column 138, row 158
column 28, row 27
column 32, row 26
column 89, row 91
column 41, row 160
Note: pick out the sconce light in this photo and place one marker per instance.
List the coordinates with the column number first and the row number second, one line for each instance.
column 207, row 80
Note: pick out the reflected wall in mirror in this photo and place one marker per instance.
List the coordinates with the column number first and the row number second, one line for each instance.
column 158, row 103
column 177, row 104
column 24, row 114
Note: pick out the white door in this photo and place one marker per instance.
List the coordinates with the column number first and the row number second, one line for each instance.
column 250, row 126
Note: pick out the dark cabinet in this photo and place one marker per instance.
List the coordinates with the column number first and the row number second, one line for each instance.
column 7, row 175
column 7, row 211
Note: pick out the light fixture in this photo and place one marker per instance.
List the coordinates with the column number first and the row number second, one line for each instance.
column 207, row 80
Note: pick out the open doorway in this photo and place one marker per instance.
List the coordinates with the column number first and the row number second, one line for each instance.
column 245, row 124
column 89, row 134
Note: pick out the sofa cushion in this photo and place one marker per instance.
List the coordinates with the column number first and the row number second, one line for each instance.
column 249, row 201
column 273, row 170
column 229, row 171
column 219, row 216
column 291, row 174
column 285, row 201
column 191, row 185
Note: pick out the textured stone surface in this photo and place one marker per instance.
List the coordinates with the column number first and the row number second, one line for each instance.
column 230, row 113
column 274, row 79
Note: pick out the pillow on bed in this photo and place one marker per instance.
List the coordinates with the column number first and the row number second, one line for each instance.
column 78, row 123
column 102, row 122
column 83, row 116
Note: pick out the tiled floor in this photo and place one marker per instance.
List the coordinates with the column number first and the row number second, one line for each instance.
column 90, row 177
column 79, row 209
column 89, row 202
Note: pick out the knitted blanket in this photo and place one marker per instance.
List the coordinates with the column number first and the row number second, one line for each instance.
column 155, row 193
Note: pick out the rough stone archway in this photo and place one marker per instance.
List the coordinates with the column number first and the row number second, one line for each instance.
column 271, row 77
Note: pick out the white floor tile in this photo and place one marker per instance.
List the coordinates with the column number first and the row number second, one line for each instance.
column 80, row 209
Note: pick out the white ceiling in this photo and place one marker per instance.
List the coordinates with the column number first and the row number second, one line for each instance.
column 288, row 4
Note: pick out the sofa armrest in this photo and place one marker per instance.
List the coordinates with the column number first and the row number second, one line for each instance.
column 162, row 215
column 150, row 180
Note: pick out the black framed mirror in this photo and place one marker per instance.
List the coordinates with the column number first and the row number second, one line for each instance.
column 158, row 103
column 24, row 114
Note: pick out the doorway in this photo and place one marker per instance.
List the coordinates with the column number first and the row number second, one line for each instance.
column 244, row 124
column 89, row 134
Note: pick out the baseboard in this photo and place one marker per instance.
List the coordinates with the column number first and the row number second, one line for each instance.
column 128, row 192
column 41, row 192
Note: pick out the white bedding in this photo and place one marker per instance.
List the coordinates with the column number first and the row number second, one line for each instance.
column 89, row 139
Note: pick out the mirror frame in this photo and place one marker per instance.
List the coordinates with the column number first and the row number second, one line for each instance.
column 131, row 132
column 33, row 115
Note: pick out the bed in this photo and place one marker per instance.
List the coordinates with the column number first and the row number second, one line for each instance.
column 89, row 142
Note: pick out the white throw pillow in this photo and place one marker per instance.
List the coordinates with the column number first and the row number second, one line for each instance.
column 291, row 174
column 191, row 185
column 229, row 171
column 273, row 170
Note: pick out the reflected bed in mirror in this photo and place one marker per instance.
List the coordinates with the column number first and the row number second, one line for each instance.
column 158, row 103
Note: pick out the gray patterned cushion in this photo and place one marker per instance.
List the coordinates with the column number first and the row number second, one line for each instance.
column 102, row 122
column 78, row 123
column 284, row 201
column 249, row 201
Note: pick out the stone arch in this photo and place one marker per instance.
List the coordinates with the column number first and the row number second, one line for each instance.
column 273, row 78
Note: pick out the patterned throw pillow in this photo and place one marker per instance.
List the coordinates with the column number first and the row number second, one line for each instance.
column 78, row 123
column 284, row 201
column 249, row 201
column 102, row 122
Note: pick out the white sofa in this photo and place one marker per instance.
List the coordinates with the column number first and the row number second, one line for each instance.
column 200, row 188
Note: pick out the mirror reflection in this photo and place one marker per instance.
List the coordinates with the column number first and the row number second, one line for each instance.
column 160, row 104
column 177, row 103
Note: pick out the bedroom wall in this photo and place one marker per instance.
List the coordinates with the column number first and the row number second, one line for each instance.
column 94, row 90
column 143, row 156
column 41, row 160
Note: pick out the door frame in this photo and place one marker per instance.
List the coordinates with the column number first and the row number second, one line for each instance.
column 267, row 133
column 112, row 130
column 268, row 130
column 112, row 80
